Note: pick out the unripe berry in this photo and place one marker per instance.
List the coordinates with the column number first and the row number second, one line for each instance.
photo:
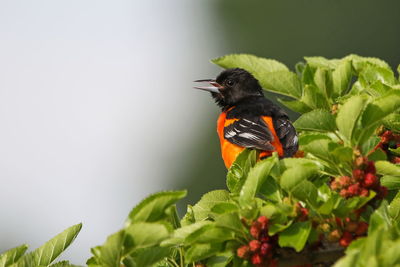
column 325, row 227
column 243, row 252
column 362, row 228
column 346, row 239
column 335, row 185
column 360, row 161
column 254, row 245
column 334, row 235
column 200, row 265
column 256, row 259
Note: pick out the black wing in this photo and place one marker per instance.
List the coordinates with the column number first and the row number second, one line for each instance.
column 250, row 132
column 287, row 135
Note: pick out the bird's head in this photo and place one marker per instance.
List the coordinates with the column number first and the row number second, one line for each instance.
column 231, row 86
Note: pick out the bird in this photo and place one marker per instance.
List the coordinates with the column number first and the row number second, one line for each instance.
column 248, row 119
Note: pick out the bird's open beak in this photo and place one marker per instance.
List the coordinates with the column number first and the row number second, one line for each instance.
column 215, row 88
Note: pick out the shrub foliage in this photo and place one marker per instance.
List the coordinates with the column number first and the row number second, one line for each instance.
column 336, row 202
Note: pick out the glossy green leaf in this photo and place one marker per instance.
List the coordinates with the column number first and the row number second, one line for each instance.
column 316, row 120
column 392, row 122
column 314, row 98
column 348, row 116
column 179, row 235
column 282, row 82
column 251, row 63
column 295, row 236
column 319, row 62
column 341, row 78
column 391, row 182
column 237, row 173
column 255, row 179
column 149, row 256
column 153, row 207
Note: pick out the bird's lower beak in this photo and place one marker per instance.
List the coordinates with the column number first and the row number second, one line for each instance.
column 215, row 88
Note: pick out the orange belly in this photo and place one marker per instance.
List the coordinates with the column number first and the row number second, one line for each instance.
column 230, row 151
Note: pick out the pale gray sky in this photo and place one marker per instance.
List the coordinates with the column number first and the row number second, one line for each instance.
column 81, row 85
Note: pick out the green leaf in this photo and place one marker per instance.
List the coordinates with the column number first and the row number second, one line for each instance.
column 341, row 78
column 144, row 234
column 378, row 154
column 209, row 233
column 348, row 116
column 370, row 144
column 295, row 105
column 377, row 110
column 314, row 98
column 371, row 74
column 361, row 62
column 392, row 122
column 110, row 253
column 282, row 82
column 295, row 236
column 237, row 173
column 255, row 179
column 395, row 151
column 11, row 256
column 224, row 207
column 318, row 62
column 323, row 80
column 179, row 235
column 201, row 251
column 387, row 168
column 391, row 182
column 220, row 260
column 153, row 207
column 230, row 221
column 316, row 120
column 251, row 63
column 203, row 208
column 63, row 264
column 48, row 252
column 149, row 256
column 295, row 181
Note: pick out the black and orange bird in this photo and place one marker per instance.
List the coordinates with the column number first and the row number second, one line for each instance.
column 248, row 119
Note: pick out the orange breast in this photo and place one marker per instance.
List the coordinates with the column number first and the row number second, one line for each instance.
column 230, row 151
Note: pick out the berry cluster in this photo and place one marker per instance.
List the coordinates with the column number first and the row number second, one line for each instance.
column 390, row 140
column 260, row 249
column 363, row 179
column 346, row 231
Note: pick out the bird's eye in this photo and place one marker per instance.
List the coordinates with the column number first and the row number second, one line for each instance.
column 229, row 82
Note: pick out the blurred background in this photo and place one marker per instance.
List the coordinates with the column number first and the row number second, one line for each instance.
column 97, row 108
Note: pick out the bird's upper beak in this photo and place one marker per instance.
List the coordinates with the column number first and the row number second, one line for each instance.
column 215, row 88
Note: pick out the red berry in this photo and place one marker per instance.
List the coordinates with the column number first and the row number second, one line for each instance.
column 273, row 263
column 387, row 134
column 344, row 193
column 358, row 174
column 344, row 181
column 346, row 239
column 370, row 167
column 354, row 189
column 263, row 221
column 263, row 237
column 254, row 245
column 265, row 248
column 364, row 192
column 362, row 228
column 370, row 180
column 255, row 229
column 243, row 252
column 256, row 259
